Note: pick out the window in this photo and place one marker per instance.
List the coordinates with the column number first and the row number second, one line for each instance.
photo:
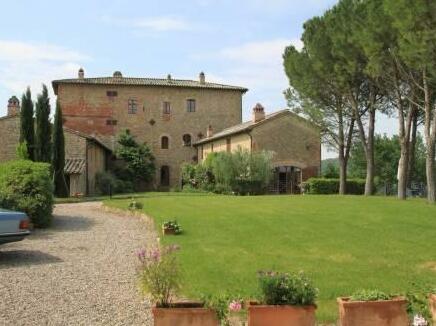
column 111, row 93
column 190, row 105
column 111, row 122
column 166, row 108
column 132, row 106
column 164, row 142
column 186, row 140
column 228, row 145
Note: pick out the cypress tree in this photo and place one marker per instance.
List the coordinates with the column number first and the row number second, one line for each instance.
column 27, row 128
column 58, row 154
column 43, row 128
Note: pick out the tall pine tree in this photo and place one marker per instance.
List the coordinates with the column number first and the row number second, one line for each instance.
column 27, row 127
column 58, row 154
column 43, row 128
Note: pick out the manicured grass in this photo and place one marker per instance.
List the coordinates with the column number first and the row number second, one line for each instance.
column 342, row 243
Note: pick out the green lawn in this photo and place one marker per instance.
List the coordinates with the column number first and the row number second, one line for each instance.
column 342, row 243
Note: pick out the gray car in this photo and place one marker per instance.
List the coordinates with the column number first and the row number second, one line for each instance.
column 14, row 226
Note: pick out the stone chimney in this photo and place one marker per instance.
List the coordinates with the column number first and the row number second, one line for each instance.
column 209, row 131
column 13, row 106
column 258, row 113
column 118, row 75
column 202, row 78
column 81, row 73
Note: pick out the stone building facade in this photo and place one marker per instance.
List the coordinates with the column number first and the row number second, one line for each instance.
column 85, row 155
column 167, row 114
column 295, row 144
column 177, row 119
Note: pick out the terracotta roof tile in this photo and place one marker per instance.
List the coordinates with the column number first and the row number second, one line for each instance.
column 145, row 82
column 245, row 126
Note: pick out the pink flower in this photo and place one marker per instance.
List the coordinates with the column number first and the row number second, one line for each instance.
column 235, row 306
column 141, row 254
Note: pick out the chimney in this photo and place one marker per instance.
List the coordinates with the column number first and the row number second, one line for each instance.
column 258, row 113
column 118, row 75
column 209, row 131
column 13, row 106
column 169, row 78
column 202, row 78
column 81, row 73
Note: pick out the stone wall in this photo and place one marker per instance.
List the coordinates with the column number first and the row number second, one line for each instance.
column 88, row 109
column 75, row 145
column 294, row 141
column 10, row 137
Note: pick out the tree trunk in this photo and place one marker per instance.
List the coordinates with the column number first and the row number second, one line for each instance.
column 342, row 172
column 430, row 171
column 402, row 172
column 412, row 150
column 370, row 165
column 430, row 139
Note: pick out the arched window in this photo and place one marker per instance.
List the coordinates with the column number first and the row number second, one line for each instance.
column 164, row 142
column 186, row 140
column 165, row 176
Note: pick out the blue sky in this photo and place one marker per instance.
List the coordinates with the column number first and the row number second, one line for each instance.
column 236, row 42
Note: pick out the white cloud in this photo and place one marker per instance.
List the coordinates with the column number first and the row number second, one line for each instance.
column 21, row 51
column 263, row 52
column 163, row 24
column 155, row 24
column 259, row 67
column 25, row 64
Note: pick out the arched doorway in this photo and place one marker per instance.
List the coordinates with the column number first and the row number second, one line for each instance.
column 165, row 176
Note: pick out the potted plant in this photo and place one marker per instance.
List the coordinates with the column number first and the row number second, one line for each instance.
column 418, row 306
column 287, row 299
column 224, row 307
column 160, row 278
column 433, row 305
column 171, row 227
column 373, row 307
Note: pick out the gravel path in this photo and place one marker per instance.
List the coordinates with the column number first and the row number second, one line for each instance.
column 79, row 272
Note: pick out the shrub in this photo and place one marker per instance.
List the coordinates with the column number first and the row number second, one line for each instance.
column 321, row 186
column 106, row 181
column 370, row 295
column 239, row 172
column 27, row 186
column 134, row 205
column 159, row 274
column 287, row 289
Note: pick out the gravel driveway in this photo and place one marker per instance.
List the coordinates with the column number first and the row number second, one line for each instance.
column 79, row 272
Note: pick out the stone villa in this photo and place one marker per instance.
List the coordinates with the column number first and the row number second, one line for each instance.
column 176, row 118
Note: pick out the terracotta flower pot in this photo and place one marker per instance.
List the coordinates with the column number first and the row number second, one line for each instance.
column 167, row 231
column 184, row 314
column 433, row 307
column 263, row 315
column 373, row 313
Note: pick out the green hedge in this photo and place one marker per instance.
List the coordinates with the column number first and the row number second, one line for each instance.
column 321, row 186
column 27, row 186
